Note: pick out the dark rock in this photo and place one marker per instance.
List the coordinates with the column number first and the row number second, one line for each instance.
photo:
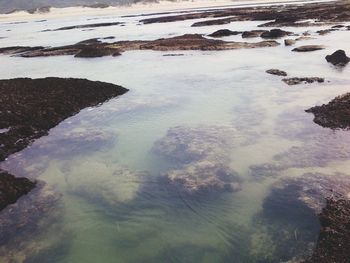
column 338, row 26
column 308, row 48
column 253, row 33
column 325, row 31
column 335, row 114
column 224, row 33
column 89, row 26
column 338, row 58
column 30, row 107
column 296, row 81
column 333, row 244
column 12, row 188
column 276, row 72
column 275, row 33
column 95, row 52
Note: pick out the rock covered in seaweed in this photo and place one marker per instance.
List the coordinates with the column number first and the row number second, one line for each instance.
column 276, row 72
column 303, row 80
column 335, row 114
column 224, row 33
column 275, row 33
column 12, row 188
column 338, row 58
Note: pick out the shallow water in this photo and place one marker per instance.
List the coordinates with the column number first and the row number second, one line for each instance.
column 115, row 206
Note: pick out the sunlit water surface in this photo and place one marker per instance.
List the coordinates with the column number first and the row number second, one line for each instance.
column 115, row 208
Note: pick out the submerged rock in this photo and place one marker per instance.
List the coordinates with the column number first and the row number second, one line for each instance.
column 338, row 58
column 275, row 33
column 205, row 176
column 101, row 183
column 308, row 48
column 276, row 72
column 202, row 155
column 335, row 114
column 31, row 226
column 224, row 33
column 305, row 80
column 294, row 207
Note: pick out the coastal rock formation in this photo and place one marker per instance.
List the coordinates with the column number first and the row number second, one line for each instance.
column 295, row 205
column 335, row 114
column 253, row 33
column 183, row 42
column 202, row 154
column 276, row 72
column 333, row 244
column 308, row 48
column 338, row 58
column 224, row 33
column 25, row 224
column 305, row 80
column 29, row 108
column 11, row 188
column 292, row 15
column 276, row 33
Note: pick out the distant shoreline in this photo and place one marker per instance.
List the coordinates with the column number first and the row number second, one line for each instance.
column 144, row 8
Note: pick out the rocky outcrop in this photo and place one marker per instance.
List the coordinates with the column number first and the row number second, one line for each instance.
column 253, row 33
column 12, row 188
column 276, row 33
column 308, row 48
column 277, row 15
column 305, row 80
column 333, row 244
column 224, row 33
column 276, row 72
column 29, row 108
column 338, row 58
column 183, row 42
column 335, row 114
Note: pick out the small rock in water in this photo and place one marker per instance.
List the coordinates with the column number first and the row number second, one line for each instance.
column 296, row 81
column 338, row 58
column 275, row 33
column 224, row 33
column 335, row 114
column 276, row 72
column 308, row 48
column 253, row 33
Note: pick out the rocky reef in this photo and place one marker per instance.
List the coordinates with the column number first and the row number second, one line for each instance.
column 99, row 49
column 224, row 33
column 292, row 15
column 295, row 205
column 303, row 80
column 29, row 108
column 202, row 157
column 335, row 114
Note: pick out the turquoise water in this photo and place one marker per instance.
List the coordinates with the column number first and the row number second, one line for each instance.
column 114, row 204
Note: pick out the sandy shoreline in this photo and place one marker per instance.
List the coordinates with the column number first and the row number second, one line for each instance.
column 141, row 8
